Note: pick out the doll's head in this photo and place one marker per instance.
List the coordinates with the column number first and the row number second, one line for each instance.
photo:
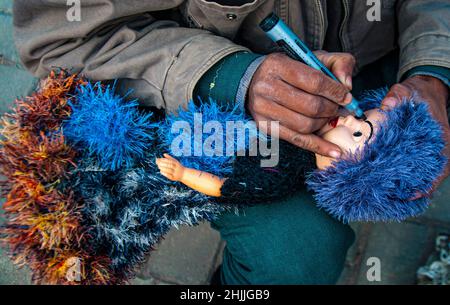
column 387, row 160
column 350, row 134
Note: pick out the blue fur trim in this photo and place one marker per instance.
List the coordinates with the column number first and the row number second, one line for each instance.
column 130, row 210
column 219, row 163
column 128, row 205
column 110, row 129
column 371, row 99
column 404, row 159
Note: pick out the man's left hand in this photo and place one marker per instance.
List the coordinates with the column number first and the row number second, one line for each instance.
column 435, row 93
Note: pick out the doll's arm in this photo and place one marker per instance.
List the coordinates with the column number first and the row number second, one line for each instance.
column 202, row 182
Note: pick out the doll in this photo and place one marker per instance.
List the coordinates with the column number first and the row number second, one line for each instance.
column 388, row 159
column 86, row 202
column 378, row 179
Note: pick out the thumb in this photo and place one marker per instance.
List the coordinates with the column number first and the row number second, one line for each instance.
column 389, row 102
column 394, row 96
column 340, row 64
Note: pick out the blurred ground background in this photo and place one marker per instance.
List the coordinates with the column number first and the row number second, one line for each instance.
column 190, row 255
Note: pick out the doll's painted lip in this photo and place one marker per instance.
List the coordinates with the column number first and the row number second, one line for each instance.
column 333, row 122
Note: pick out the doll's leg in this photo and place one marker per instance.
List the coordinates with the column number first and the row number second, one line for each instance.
column 287, row 242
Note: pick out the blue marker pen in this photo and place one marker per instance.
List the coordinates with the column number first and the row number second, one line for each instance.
column 280, row 33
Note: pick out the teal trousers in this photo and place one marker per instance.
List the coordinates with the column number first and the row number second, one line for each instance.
column 285, row 242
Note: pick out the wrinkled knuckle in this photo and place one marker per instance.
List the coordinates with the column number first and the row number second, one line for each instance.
column 314, row 147
column 337, row 91
column 316, row 108
column 317, row 81
column 333, row 93
column 349, row 58
column 260, row 86
column 275, row 56
column 307, row 126
column 301, row 141
column 272, row 61
column 260, row 106
column 397, row 87
column 297, row 140
column 400, row 88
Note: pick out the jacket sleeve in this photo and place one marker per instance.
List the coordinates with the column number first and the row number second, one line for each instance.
column 424, row 34
column 118, row 39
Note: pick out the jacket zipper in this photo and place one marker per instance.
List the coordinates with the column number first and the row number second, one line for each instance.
column 346, row 5
column 322, row 25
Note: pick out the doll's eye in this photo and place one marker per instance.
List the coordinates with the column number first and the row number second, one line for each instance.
column 357, row 134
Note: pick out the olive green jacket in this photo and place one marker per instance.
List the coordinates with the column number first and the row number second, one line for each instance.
column 161, row 48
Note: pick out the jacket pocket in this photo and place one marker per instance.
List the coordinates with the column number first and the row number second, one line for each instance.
column 190, row 14
column 220, row 19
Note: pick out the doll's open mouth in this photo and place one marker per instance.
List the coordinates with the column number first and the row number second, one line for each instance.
column 333, row 122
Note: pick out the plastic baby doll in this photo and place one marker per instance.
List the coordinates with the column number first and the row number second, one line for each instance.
column 388, row 159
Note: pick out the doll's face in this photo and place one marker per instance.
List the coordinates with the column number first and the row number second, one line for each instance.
column 349, row 133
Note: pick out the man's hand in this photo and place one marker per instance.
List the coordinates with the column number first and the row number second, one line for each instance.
column 301, row 98
column 435, row 93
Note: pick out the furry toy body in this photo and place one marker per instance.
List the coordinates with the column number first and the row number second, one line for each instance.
column 82, row 184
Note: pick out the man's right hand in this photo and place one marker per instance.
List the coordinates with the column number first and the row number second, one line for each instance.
column 301, row 98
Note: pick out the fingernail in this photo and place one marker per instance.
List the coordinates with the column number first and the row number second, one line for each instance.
column 348, row 98
column 335, row 154
column 390, row 102
column 348, row 82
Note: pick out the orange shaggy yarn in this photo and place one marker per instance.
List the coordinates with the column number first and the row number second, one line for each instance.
column 44, row 229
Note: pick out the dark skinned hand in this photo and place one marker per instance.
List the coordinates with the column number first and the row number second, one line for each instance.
column 301, row 98
column 435, row 93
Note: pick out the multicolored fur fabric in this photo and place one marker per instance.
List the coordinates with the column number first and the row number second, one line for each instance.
column 85, row 203
column 43, row 216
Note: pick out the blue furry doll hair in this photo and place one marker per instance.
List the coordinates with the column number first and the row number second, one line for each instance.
column 378, row 182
